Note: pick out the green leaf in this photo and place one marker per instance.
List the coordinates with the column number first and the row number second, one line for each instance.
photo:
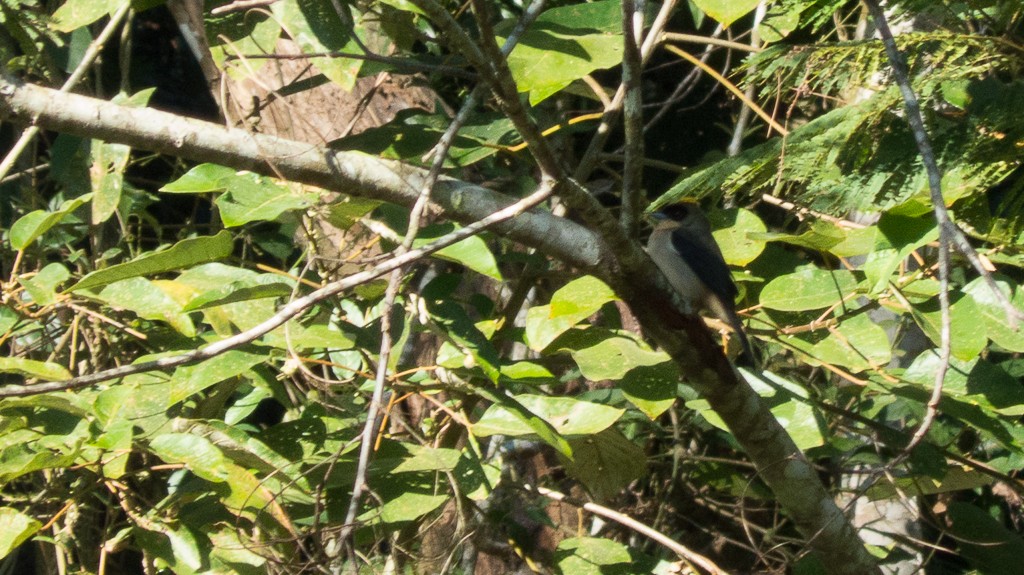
column 408, row 506
column 77, row 13
column 967, row 334
column 808, row 289
column 191, row 379
column 107, row 178
column 651, row 388
column 32, row 368
column 148, row 301
column 726, row 12
column 581, row 298
column 574, row 302
column 196, row 453
column 985, row 542
column 251, row 198
column 259, row 287
column 408, row 458
column 591, row 556
column 15, row 529
column 34, row 224
column 613, row 357
column 43, row 286
column 461, row 331
column 201, row 179
column 605, row 462
column 509, row 412
column 183, row 254
column 858, row 343
column 736, row 232
column 993, row 314
column 316, row 28
column 568, row 416
column 471, row 252
column 566, row 44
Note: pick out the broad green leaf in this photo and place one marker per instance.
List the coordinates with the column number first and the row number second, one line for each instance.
column 116, row 442
column 259, row 287
column 141, row 400
column 196, row 453
column 901, row 231
column 186, row 548
column 564, row 45
column 808, row 289
column 463, row 333
column 725, row 12
column 253, row 198
column 651, row 388
column 581, row 298
column 186, row 253
column 574, row 302
column 823, row 237
column 231, row 317
column 614, row 356
column 191, row 379
column 32, row 368
column 856, row 242
column 477, row 480
column 967, row 326
column 858, row 343
column 408, row 506
column 107, row 178
column 316, row 28
column 201, row 179
column 509, row 412
column 986, row 543
column 993, row 314
column 15, row 529
column 77, row 13
column 148, row 301
column 34, row 224
column 975, row 382
column 568, row 416
column 403, row 458
column 43, row 286
column 18, row 460
column 736, row 234
column 605, row 462
column 780, row 20
column 591, row 556
column 471, row 252
column 527, row 371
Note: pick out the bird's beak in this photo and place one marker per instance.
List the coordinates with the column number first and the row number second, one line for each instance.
column 657, row 216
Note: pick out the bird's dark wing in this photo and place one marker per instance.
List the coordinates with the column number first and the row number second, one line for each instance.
column 706, row 263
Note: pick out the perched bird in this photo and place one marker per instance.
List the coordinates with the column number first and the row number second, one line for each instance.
column 686, row 252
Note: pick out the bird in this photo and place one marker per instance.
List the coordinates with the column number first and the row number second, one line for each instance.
column 684, row 249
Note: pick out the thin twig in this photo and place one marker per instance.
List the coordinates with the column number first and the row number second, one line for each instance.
column 87, row 59
column 294, row 307
column 711, row 41
column 611, row 112
column 729, row 86
column 955, row 236
column 641, row 528
column 744, row 117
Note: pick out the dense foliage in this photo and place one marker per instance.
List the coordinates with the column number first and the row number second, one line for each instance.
column 456, row 415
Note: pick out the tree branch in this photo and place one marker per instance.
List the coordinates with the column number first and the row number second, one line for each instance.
column 633, row 276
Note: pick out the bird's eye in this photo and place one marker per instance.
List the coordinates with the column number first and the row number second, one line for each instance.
column 677, row 212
